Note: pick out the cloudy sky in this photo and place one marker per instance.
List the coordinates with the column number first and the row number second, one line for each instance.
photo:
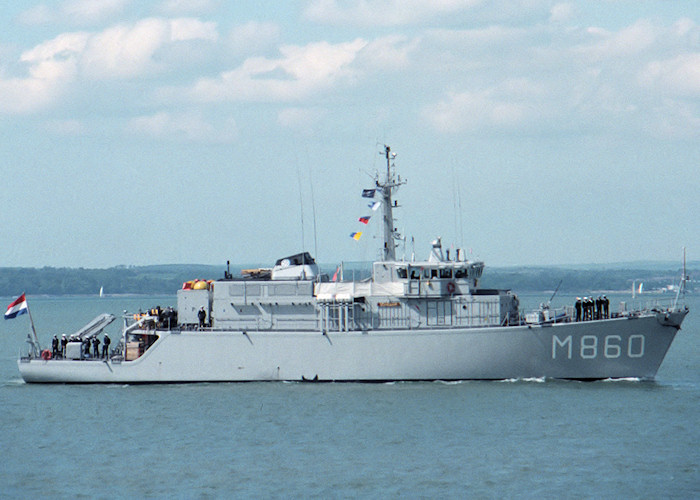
column 196, row 131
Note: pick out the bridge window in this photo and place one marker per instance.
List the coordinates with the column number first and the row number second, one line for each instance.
column 401, row 272
column 460, row 273
column 446, row 273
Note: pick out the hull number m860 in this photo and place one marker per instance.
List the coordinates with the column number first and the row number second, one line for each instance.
column 590, row 347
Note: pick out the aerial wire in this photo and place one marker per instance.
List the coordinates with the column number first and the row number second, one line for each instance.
column 301, row 206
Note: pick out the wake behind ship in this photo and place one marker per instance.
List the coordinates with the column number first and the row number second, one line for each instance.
column 411, row 320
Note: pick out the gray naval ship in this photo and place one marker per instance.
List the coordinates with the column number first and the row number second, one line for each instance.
column 411, row 320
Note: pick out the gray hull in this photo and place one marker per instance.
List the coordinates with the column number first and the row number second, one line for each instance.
column 614, row 348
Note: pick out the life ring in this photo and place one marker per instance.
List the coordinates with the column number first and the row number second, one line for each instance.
column 451, row 287
column 46, row 355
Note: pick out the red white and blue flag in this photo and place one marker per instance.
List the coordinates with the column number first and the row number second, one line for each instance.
column 19, row 306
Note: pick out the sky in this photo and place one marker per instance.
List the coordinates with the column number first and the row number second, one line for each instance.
column 530, row 132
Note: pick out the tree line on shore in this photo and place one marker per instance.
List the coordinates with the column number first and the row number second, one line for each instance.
column 166, row 279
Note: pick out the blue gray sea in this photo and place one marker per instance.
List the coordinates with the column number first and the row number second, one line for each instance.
column 507, row 439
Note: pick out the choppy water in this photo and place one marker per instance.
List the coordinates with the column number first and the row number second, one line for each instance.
column 532, row 439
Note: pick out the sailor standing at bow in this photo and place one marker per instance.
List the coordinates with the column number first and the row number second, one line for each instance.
column 578, row 308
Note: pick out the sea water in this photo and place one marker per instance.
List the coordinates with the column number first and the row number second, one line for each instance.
column 524, row 438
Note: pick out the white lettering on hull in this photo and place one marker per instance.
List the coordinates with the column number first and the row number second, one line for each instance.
column 590, row 347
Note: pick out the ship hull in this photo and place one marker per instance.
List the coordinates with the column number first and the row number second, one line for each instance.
column 614, row 348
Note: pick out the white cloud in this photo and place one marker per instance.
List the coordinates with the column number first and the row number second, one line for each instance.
column 628, row 42
column 550, row 77
column 538, row 75
column 191, row 126
column 127, row 51
column 300, row 70
column 253, row 37
column 473, row 110
column 679, row 75
column 61, row 51
column 52, row 66
column 25, row 95
column 192, row 29
column 382, row 12
column 124, row 51
column 179, row 7
column 388, row 53
column 74, row 12
column 561, row 12
column 118, row 52
column 92, row 11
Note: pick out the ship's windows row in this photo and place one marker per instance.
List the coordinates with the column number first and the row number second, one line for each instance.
column 430, row 273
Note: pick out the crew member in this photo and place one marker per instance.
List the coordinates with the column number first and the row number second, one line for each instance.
column 606, row 307
column 578, row 308
column 105, row 346
column 64, row 343
column 95, row 347
column 167, row 317
column 202, row 315
column 54, row 346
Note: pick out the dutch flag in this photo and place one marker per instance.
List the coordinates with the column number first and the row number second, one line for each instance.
column 19, row 306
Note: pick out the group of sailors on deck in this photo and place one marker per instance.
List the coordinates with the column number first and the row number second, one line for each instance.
column 589, row 308
column 161, row 318
column 58, row 347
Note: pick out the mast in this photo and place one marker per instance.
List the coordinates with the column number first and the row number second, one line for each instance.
column 36, row 345
column 681, row 285
column 385, row 188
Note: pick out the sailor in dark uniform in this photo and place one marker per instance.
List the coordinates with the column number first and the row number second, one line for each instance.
column 105, row 346
column 64, row 343
column 578, row 308
column 54, row 346
column 589, row 308
column 606, row 307
column 167, row 317
column 202, row 315
column 95, row 347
